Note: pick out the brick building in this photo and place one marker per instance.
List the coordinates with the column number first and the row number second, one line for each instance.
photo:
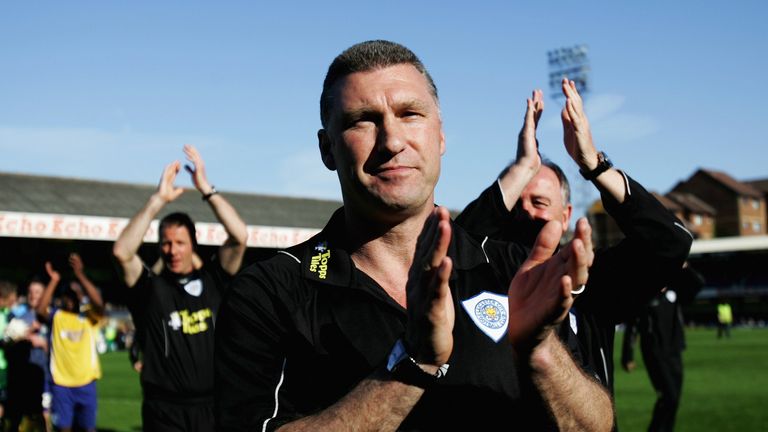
column 741, row 208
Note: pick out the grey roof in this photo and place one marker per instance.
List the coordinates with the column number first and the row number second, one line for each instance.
column 58, row 195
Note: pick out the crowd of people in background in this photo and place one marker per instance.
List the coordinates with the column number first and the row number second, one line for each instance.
column 384, row 290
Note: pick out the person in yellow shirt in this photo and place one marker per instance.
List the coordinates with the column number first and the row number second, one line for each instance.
column 724, row 319
column 74, row 360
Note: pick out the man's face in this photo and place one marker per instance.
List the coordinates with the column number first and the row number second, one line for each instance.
column 385, row 139
column 176, row 249
column 8, row 301
column 542, row 199
column 34, row 293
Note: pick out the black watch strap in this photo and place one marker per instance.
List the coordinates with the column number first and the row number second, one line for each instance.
column 208, row 196
column 405, row 369
column 603, row 165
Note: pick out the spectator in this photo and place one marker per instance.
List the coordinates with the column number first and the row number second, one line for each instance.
column 724, row 319
column 75, row 364
column 7, row 300
column 28, row 363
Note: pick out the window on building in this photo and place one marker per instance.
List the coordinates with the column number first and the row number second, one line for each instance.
column 697, row 219
column 755, row 204
column 756, row 226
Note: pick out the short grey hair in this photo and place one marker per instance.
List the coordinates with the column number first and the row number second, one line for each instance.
column 367, row 56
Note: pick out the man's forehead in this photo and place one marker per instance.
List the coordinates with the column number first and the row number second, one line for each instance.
column 545, row 176
column 402, row 76
column 174, row 231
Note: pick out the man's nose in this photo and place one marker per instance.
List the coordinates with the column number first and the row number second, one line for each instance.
column 392, row 135
column 524, row 210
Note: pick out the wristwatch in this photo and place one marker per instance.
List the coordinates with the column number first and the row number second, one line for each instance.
column 208, row 196
column 603, row 164
column 405, row 369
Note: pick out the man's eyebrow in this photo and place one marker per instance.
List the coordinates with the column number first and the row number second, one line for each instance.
column 412, row 104
column 357, row 113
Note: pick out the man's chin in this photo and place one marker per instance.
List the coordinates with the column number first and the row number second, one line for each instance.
column 177, row 269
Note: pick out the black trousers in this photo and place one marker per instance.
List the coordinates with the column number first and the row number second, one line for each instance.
column 665, row 369
column 164, row 416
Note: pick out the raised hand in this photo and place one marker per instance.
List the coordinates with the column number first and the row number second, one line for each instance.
column 77, row 288
column 52, row 273
column 540, row 294
column 197, row 169
column 527, row 147
column 431, row 314
column 76, row 262
column 165, row 189
column 577, row 135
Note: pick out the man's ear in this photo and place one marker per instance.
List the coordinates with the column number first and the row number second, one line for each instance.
column 325, row 149
column 567, row 212
column 442, row 142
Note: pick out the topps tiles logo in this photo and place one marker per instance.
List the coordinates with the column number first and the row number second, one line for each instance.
column 319, row 263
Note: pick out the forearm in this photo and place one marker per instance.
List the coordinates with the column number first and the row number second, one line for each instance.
column 377, row 403
column 611, row 182
column 231, row 252
column 577, row 402
column 45, row 299
column 130, row 239
column 513, row 180
column 90, row 289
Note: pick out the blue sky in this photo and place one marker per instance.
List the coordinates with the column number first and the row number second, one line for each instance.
column 112, row 90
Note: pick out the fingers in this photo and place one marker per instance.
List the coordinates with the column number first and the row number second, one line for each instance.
column 578, row 256
column 52, row 273
column 584, row 233
column 545, row 245
column 443, row 234
column 192, row 154
column 169, row 173
column 566, row 287
column 75, row 261
column 533, row 111
column 569, row 90
column 441, row 277
column 538, row 105
column 578, row 263
column 573, row 102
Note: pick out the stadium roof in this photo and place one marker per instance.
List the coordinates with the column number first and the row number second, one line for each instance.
column 30, row 196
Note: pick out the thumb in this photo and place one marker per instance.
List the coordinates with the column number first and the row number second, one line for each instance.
column 545, row 245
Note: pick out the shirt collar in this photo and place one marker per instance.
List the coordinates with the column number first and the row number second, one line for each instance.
column 325, row 258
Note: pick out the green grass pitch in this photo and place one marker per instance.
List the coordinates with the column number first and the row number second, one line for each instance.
column 725, row 388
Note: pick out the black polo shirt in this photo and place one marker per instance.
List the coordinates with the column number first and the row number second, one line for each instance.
column 175, row 318
column 299, row 331
column 623, row 277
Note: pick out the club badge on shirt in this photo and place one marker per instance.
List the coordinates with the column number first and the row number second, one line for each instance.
column 489, row 313
column 194, row 287
column 670, row 295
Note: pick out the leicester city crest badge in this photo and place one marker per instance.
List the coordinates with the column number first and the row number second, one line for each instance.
column 489, row 313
